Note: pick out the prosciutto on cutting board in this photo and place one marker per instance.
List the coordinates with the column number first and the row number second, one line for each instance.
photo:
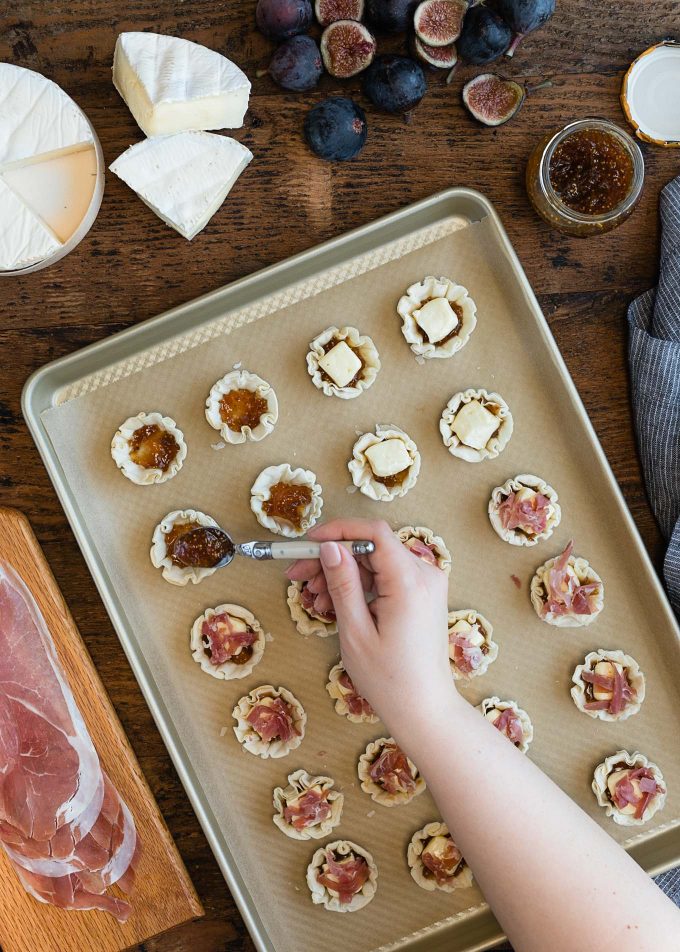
column 63, row 825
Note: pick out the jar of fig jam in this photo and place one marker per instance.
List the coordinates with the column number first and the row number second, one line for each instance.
column 587, row 178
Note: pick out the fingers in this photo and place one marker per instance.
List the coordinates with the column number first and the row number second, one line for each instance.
column 345, row 589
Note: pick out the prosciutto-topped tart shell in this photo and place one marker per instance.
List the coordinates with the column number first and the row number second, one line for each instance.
column 229, row 669
column 178, row 574
column 306, row 620
column 542, row 513
column 242, row 380
column 426, row 879
column 626, row 667
column 375, row 750
column 121, row 450
column 493, row 710
column 347, row 702
column 490, row 403
column 435, row 289
column 579, row 573
column 260, row 494
column 363, row 348
column 319, row 790
column 251, row 740
column 478, row 631
column 323, row 894
column 605, row 770
column 360, row 467
column 417, row 537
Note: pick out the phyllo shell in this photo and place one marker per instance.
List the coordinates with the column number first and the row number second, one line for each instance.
column 330, row 899
column 525, row 487
column 431, row 836
column 472, row 434
column 177, row 574
column 358, row 710
column 306, row 620
column 584, row 693
column 578, row 573
column 377, row 791
column 299, row 784
column 242, row 380
column 249, row 738
column 410, row 534
column 477, row 631
column 121, row 450
column 229, row 669
column 375, row 486
column 260, row 494
column 463, row 317
column 605, row 774
column 364, row 351
column 492, row 708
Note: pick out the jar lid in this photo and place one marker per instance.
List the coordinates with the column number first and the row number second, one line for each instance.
column 649, row 94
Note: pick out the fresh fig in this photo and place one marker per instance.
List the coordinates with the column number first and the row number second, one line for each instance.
column 441, row 57
column 484, row 37
column 335, row 129
column 394, row 83
column 297, row 64
column 523, row 16
column 330, row 11
column 347, row 48
column 439, row 22
column 493, row 100
column 390, row 16
column 281, row 19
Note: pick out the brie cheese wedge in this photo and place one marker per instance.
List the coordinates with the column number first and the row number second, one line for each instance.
column 341, row 364
column 24, row 239
column 388, row 458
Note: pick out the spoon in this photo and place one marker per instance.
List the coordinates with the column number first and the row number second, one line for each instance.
column 210, row 547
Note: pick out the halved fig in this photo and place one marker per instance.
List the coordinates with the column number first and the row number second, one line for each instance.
column 441, row 57
column 330, row 11
column 439, row 22
column 493, row 100
column 347, row 48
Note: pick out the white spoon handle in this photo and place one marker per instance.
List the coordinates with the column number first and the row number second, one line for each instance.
column 297, row 549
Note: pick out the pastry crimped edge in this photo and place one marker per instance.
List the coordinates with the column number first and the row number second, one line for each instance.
column 299, row 782
column 175, row 574
column 489, row 703
column 427, row 536
column 471, row 616
column 585, row 575
column 341, row 708
column 415, row 850
column 242, row 380
column 360, row 468
column 495, row 444
column 634, row 674
column 120, row 449
column 321, row 895
column 374, row 790
column 248, row 737
column 304, row 623
column 358, row 342
column 599, row 786
column 284, row 473
column 524, row 480
column 431, row 287
column 227, row 671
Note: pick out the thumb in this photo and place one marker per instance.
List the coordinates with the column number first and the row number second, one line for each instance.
column 345, row 589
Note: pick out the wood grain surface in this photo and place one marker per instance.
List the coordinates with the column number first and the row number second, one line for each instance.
column 132, row 267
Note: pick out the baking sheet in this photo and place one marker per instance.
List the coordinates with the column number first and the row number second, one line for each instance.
column 509, row 351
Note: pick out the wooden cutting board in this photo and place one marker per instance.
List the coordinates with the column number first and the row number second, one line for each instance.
column 163, row 896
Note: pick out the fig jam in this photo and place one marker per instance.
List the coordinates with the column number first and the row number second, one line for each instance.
column 240, row 408
column 152, row 447
column 288, row 502
column 591, row 171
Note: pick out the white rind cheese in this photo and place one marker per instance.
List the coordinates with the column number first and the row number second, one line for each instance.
column 437, row 319
column 388, row 458
column 24, row 239
column 173, row 85
column 475, row 425
column 341, row 364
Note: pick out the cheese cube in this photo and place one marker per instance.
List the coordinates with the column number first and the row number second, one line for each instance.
column 470, row 632
column 493, row 715
column 388, row 458
column 524, row 494
column 439, row 847
column 437, row 319
column 474, row 425
column 341, row 364
column 606, row 669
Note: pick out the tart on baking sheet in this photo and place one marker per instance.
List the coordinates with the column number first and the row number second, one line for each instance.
column 285, row 500
column 242, row 406
column 510, row 720
column 609, row 685
column 435, row 861
column 148, row 448
column 348, row 703
column 476, row 425
column 384, row 464
column 227, row 641
column 342, row 876
column 438, row 317
column 426, row 545
column 629, row 787
column 524, row 510
column 270, row 722
column 308, row 620
column 566, row 591
column 342, row 362
column 308, row 808
column 471, row 646
column 387, row 774
column 175, row 525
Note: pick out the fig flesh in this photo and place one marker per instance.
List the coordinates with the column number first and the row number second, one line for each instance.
column 390, row 16
column 441, row 57
column 297, row 64
column 439, row 22
column 523, row 16
column 493, row 100
column 484, row 37
column 394, row 83
column 330, row 11
column 335, row 129
column 281, row 19
column 347, row 48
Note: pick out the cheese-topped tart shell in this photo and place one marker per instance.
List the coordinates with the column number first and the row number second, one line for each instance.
column 492, row 708
column 527, row 486
column 322, row 896
column 227, row 670
column 606, row 769
column 409, row 534
column 305, row 622
column 176, row 574
column 479, row 631
column 260, row 495
column 438, row 317
column 585, row 575
column 375, row 790
column 626, row 664
column 121, row 449
column 347, row 368
column 462, row 876
column 339, row 695
column 476, row 425
column 384, row 464
column 264, row 396
column 299, row 782
column 248, row 737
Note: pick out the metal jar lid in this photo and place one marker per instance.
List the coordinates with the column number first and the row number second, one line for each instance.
column 650, row 96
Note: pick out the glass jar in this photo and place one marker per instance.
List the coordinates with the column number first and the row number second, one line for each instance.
column 552, row 207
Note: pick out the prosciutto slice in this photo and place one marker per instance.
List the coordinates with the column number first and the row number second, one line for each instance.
column 508, row 723
column 346, row 876
column 223, row 640
column 444, row 864
column 309, row 809
column 529, row 515
column 355, row 703
column 621, row 691
column 625, row 792
column 565, row 595
column 391, row 770
column 63, row 825
column 467, row 657
column 307, row 601
column 273, row 721
column 422, row 550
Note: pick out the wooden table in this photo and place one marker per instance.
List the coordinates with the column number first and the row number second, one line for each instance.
column 132, row 267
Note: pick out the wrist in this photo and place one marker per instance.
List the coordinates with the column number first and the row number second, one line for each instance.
column 427, row 722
